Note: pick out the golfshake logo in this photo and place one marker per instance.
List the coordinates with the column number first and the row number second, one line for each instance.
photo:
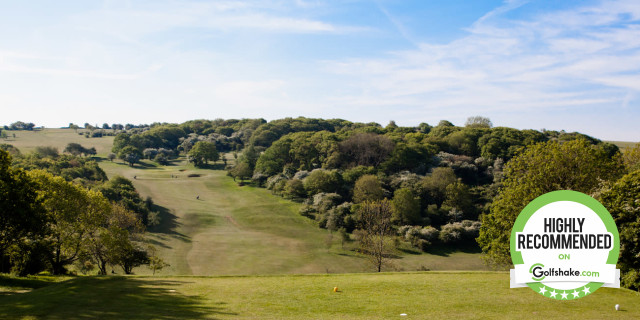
column 565, row 245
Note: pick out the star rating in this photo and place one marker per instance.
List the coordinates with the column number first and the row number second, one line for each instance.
column 553, row 293
column 576, row 293
column 564, row 295
column 543, row 290
column 586, row 290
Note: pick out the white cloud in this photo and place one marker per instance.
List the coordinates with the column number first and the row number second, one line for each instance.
column 572, row 59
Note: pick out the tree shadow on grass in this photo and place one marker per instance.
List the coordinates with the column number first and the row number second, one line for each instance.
column 111, row 298
column 168, row 223
column 445, row 251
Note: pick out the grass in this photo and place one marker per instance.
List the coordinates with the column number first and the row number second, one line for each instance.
column 27, row 141
column 624, row 145
column 421, row 295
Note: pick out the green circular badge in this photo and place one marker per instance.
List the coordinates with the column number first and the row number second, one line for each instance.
column 565, row 245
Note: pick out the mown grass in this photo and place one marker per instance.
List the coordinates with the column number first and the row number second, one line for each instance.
column 421, row 295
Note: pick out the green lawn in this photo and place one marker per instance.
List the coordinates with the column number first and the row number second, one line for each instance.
column 427, row 295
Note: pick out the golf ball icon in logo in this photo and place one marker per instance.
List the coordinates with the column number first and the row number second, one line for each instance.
column 565, row 245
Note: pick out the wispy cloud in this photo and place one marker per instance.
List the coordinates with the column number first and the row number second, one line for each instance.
column 574, row 59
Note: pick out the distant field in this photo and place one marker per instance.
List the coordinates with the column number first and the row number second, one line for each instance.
column 27, row 141
column 430, row 295
column 624, row 144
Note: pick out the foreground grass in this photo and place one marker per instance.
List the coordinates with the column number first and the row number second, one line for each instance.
column 361, row 296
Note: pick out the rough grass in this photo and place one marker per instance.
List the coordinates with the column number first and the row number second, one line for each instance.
column 428, row 295
column 624, row 145
column 27, row 141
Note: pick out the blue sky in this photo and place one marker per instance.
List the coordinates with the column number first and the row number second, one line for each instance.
column 572, row 65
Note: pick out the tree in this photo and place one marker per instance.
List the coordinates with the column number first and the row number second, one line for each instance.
column 130, row 154
column 50, row 152
column 75, row 149
column 116, row 241
column 367, row 188
column 111, row 156
column 544, row 167
column 322, row 181
column 73, row 212
column 155, row 262
column 121, row 190
column 406, row 207
column 21, row 214
column 631, row 158
column 202, row 152
column 623, row 202
column 241, row 170
column 478, row 122
column 375, row 229
column 294, row 189
column 367, row 149
column 434, row 186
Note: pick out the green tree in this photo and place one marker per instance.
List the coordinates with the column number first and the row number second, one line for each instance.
column 367, row 188
column 75, row 149
column 130, row 155
column 322, row 181
column 575, row 165
column 623, row 202
column 21, row 214
column 375, row 230
column 406, row 207
column 73, row 212
column 631, row 158
column 121, row 190
column 294, row 189
column 434, row 186
column 242, row 170
column 202, row 152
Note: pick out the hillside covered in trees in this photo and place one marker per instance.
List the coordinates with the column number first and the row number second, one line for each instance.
column 440, row 179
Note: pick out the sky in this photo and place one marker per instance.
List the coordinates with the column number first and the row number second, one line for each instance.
column 556, row 65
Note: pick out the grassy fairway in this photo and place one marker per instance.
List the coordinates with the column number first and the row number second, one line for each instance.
column 428, row 295
column 234, row 230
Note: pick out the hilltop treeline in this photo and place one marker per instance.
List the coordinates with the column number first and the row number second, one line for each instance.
column 439, row 178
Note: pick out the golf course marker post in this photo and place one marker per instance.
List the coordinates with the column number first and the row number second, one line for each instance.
column 564, row 246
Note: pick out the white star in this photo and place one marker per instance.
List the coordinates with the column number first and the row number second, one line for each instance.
column 586, row 290
column 553, row 293
column 543, row 290
column 564, row 295
column 576, row 293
